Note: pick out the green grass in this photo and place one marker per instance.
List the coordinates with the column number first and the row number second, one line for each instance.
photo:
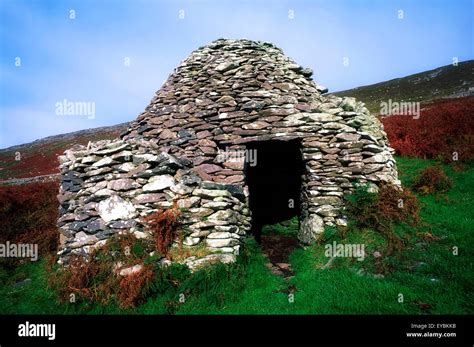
column 424, row 272
column 288, row 227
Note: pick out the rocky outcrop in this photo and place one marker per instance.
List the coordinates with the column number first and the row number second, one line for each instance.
column 222, row 97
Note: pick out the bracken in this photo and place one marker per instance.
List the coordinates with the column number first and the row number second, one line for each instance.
column 28, row 214
column 379, row 211
column 432, row 180
column 163, row 225
column 444, row 130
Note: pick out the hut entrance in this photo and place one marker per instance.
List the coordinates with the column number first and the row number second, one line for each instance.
column 274, row 181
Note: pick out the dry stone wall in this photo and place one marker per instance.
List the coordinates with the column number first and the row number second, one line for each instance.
column 223, row 97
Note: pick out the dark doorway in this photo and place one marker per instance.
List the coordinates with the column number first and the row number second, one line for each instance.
column 274, row 182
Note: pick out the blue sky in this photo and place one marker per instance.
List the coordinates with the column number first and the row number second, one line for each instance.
column 82, row 59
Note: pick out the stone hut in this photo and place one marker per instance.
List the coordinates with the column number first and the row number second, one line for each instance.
column 238, row 136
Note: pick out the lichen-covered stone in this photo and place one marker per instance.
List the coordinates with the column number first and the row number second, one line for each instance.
column 311, row 229
column 158, row 183
column 115, row 208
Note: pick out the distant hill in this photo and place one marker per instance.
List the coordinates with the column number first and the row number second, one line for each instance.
column 444, row 82
column 39, row 158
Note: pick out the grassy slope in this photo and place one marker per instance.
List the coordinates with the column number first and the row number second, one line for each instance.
column 440, row 284
column 443, row 82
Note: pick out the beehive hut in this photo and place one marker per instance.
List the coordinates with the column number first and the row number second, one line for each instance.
column 238, row 136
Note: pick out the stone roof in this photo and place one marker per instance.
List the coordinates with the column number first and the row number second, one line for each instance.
column 253, row 82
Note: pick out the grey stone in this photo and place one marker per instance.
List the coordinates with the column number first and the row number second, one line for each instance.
column 219, row 235
column 210, row 194
column 311, row 229
column 115, row 208
column 122, row 184
column 226, row 66
column 191, row 241
column 123, row 224
column 348, row 137
column 218, row 243
column 131, row 270
column 190, row 202
column 157, row 183
column 217, row 205
column 96, row 225
column 103, row 162
column 82, row 239
column 147, row 198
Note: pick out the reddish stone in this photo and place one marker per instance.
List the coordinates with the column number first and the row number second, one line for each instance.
column 256, row 125
column 303, row 107
column 235, row 164
column 209, row 168
column 233, row 179
column 171, row 123
column 201, row 173
column 144, row 198
column 271, row 119
column 167, row 134
column 229, row 172
column 208, row 150
column 206, row 143
column 203, row 134
column 277, row 111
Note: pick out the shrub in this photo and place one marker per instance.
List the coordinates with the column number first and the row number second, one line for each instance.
column 87, row 279
column 432, row 180
column 444, row 127
column 46, row 239
column 135, row 287
column 379, row 211
column 96, row 277
column 28, row 214
column 163, row 225
column 397, row 205
column 24, row 208
column 361, row 206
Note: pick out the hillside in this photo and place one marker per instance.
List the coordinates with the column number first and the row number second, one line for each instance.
column 39, row 158
column 444, row 82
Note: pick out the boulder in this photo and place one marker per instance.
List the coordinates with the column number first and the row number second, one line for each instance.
column 311, row 229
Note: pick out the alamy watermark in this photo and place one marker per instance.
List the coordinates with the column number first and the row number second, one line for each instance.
column 19, row 250
column 28, row 329
column 403, row 108
column 345, row 250
column 238, row 156
column 75, row 108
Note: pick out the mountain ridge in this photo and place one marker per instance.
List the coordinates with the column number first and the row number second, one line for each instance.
column 442, row 82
